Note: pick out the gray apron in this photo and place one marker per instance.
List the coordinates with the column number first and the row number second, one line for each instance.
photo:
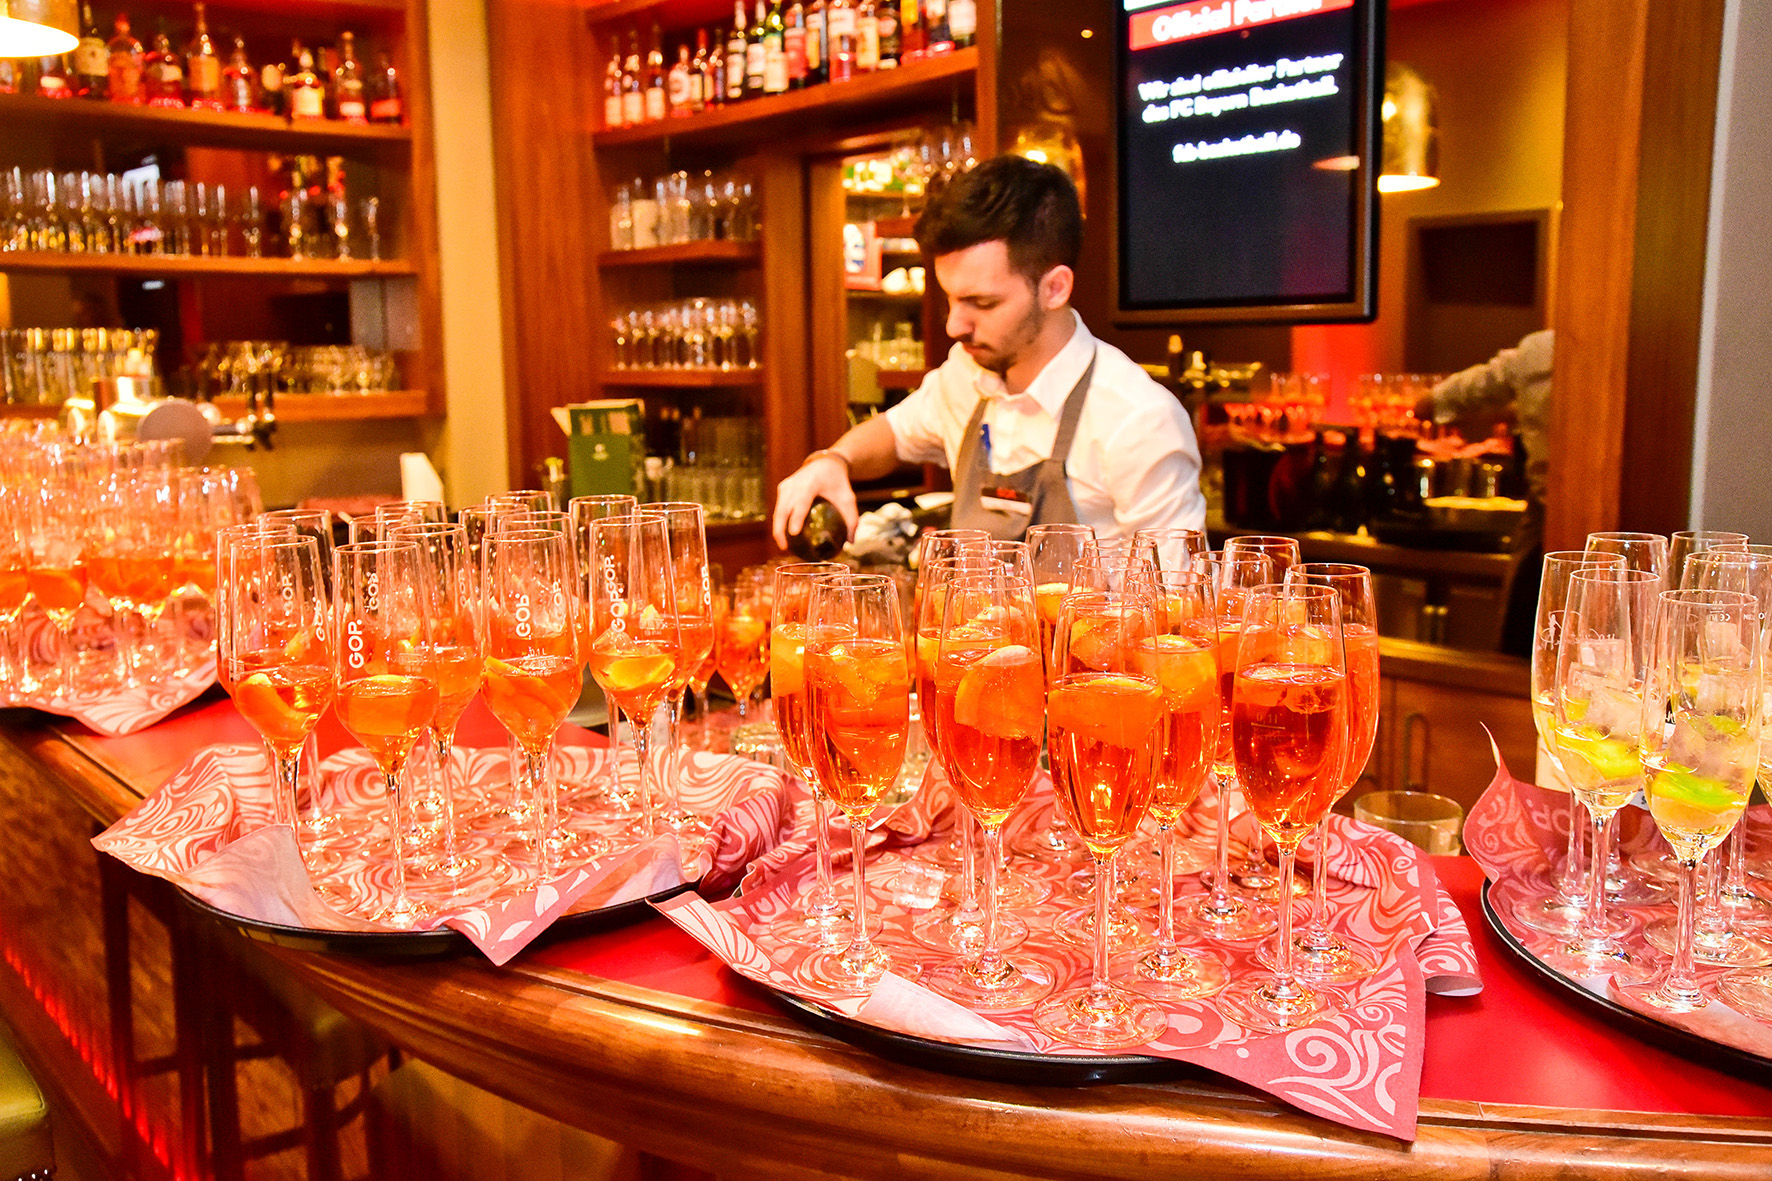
column 1041, row 485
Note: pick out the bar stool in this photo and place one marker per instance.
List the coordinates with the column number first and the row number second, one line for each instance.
column 27, row 1151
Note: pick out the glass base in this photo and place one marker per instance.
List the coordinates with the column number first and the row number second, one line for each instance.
column 1747, row 907
column 1554, row 916
column 1242, row 921
column 1582, row 961
column 1109, row 1019
column 1631, row 888
column 1649, row 994
column 1255, row 875
column 1174, row 974
column 1055, row 846
column 944, row 931
column 1748, row 992
column 406, row 917
column 1014, row 890
column 1015, row 984
column 844, row 973
column 1127, row 930
column 1731, row 949
column 827, row 926
column 1338, row 962
column 1255, row 1005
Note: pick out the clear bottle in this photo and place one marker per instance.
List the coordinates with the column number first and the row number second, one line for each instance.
column 203, row 66
column 867, row 37
column 306, row 94
column 238, row 90
column 387, row 99
column 633, row 89
column 775, row 52
column 91, row 60
column 124, row 65
column 840, row 34
column 817, row 44
column 656, row 104
column 348, row 101
column 163, row 75
column 679, row 90
column 755, row 55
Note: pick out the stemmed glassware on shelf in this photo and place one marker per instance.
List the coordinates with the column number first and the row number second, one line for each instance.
column 1698, row 744
column 1289, row 739
column 386, row 671
column 859, row 687
column 1104, row 727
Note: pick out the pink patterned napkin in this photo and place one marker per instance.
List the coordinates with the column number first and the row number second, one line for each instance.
column 1518, row 832
column 1361, row 1068
column 116, row 712
column 209, row 830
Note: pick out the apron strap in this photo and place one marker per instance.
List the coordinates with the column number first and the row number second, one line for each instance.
column 969, row 470
column 1069, row 416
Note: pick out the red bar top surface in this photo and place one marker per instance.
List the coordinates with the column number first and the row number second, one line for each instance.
column 1520, row 1041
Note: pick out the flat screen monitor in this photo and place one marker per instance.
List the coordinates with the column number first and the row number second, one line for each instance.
column 1247, row 150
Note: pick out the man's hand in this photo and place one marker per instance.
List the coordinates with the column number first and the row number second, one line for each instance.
column 825, row 475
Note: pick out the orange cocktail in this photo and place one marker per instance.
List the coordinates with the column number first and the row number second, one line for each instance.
column 283, row 702
column 787, row 689
column 989, row 706
column 1106, row 730
column 531, row 695
column 743, row 652
column 1186, row 671
column 387, row 712
column 859, row 694
column 1288, row 733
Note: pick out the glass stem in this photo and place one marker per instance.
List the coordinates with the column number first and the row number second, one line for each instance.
column 545, row 815
column 1712, row 921
column 1681, row 984
column 673, row 761
column 1284, row 986
column 445, row 745
column 744, row 701
column 1221, row 872
column 648, row 818
column 969, row 912
column 860, row 948
column 288, row 776
column 989, row 964
column 1572, row 886
column 824, row 897
column 1166, row 907
column 392, row 778
column 701, row 714
column 1104, row 892
column 1737, row 884
column 1593, row 917
column 1316, row 932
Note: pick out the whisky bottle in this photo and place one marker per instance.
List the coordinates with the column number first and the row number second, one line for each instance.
column 755, row 56
column 52, row 79
column 679, row 93
column 91, row 59
column 163, row 75
column 910, row 31
column 124, row 64
column 387, row 101
column 735, row 54
column 305, row 94
column 867, row 37
column 656, row 104
column 937, row 38
column 347, row 83
column 203, row 66
column 713, row 85
column 775, row 53
column 238, row 84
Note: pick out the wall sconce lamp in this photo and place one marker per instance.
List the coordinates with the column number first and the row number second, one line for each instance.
column 1411, row 132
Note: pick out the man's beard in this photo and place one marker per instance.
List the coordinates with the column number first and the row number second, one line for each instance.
column 1000, row 361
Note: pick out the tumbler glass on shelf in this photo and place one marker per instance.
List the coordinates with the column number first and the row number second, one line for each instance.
column 1105, row 736
column 1289, row 740
column 858, row 687
column 386, row 673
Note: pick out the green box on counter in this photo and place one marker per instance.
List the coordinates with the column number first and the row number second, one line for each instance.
column 606, row 445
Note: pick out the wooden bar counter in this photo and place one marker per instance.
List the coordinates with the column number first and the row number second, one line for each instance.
column 639, row 1036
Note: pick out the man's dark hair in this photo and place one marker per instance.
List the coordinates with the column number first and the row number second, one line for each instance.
column 1032, row 207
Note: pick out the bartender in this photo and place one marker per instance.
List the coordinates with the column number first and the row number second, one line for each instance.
column 1038, row 421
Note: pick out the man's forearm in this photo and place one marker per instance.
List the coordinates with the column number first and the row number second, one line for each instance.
column 870, row 448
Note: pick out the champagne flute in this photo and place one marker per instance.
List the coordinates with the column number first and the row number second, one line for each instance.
column 820, row 918
column 1221, row 912
column 703, row 674
column 520, row 500
column 1181, row 656
column 743, row 639
column 694, row 608
column 1689, row 543
column 321, row 825
column 386, row 673
column 1559, row 913
column 1698, row 768
column 989, row 685
column 1289, row 740
column 1053, row 552
column 533, row 675
column 1105, row 732
column 636, row 642
column 1640, row 551
column 1254, row 873
column 584, row 512
column 859, row 690
column 1602, row 658
column 1171, row 549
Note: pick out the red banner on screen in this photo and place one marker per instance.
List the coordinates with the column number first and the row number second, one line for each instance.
column 1184, row 22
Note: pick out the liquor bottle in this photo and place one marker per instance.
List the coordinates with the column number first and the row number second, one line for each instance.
column 656, row 104
column 306, row 97
column 910, row 31
column 612, row 85
column 714, row 77
column 867, row 37
column 163, row 75
column 821, row 535
column 238, row 90
column 735, row 54
column 10, row 68
column 124, row 64
column 203, row 66
column 963, row 22
column 679, row 94
column 387, row 101
column 271, row 79
column 937, row 38
column 347, row 83
column 755, row 55
column 775, row 52
column 91, row 59
column 633, row 89
column 794, row 43
column 817, row 44
column 840, row 38
column 698, row 73
column 886, row 25
column 52, row 79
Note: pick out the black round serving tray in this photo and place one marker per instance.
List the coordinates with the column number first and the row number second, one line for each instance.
column 441, row 941
column 997, row 1066
column 1729, row 1059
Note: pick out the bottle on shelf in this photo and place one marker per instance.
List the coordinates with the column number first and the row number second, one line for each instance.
column 755, row 55
column 794, row 43
column 91, row 73
column 715, row 82
column 887, row 26
column 633, row 87
column 867, row 37
column 910, row 31
column 239, row 81
column 387, row 100
column 840, row 34
column 163, row 75
column 775, row 52
column 963, row 22
column 306, row 96
column 52, row 79
column 124, row 64
column 817, row 52
column 272, row 90
column 612, row 85
column 735, row 54
column 698, row 73
column 203, row 66
column 656, row 104
column 348, row 101
column 937, row 36
column 679, row 90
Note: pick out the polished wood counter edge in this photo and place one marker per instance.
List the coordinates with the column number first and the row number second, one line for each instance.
column 751, row 1094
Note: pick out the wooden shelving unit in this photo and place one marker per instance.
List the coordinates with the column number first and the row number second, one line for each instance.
column 10, row 410
column 337, row 407
column 148, row 265
column 900, row 379
column 717, row 252
column 208, row 128
column 686, row 379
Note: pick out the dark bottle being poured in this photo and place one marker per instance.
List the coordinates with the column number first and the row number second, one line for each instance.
column 821, row 537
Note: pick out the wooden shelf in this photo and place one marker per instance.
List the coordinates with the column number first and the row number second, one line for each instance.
column 907, row 298
column 218, row 128
column 883, row 93
column 900, row 379
column 174, row 265
column 686, row 379
column 336, row 407
column 711, row 252
column 10, row 410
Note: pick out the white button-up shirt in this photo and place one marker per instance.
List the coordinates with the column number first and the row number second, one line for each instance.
column 1133, row 465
